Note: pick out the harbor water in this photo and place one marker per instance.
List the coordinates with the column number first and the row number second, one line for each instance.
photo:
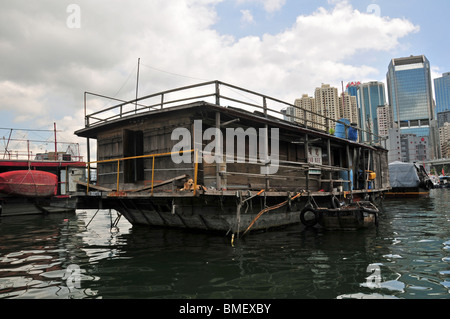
column 78, row 256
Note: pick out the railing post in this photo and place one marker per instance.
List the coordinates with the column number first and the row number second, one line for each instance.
column 265, row 106
column 305, row 114
column 217, row 93
column 118, row 174
column 88, row 177
column 153, row 172
column 195, row 171
column 162, row 101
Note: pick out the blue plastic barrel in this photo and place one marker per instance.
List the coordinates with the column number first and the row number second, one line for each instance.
column 352, row 134
column 344, row 176
column 340, row 128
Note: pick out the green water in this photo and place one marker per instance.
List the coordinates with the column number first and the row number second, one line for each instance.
column 57, row 257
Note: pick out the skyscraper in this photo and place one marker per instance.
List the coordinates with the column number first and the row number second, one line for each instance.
column 442, row 90
column 306, row 103
column 352, row 88
column 327, row 104
column 370, row 96
column 384, row 117
column 348, row 108
column 410, row 97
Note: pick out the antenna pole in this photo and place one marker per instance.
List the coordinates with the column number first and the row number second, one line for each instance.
column 56, row 145
column 137, row 84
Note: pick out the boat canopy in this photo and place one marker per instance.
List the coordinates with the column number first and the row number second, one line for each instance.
column 403, row 175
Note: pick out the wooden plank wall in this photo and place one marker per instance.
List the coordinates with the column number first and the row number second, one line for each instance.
column 157, row 133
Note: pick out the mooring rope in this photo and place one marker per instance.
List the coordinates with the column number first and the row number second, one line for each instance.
column 267, row 209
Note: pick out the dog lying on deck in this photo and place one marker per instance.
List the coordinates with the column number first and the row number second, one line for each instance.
column 189, row 185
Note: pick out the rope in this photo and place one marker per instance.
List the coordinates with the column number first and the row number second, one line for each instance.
column 23, row 181
column 267, row 209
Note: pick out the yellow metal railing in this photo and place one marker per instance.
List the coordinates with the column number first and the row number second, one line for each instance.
column 153, row 156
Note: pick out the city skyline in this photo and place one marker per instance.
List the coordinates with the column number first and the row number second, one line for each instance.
column 411, row 108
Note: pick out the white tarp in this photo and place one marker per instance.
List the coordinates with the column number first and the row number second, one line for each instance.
column 403, row 175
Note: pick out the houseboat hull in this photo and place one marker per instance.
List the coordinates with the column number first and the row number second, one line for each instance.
column 16, row 206
column 412, row 192
column 228, row 212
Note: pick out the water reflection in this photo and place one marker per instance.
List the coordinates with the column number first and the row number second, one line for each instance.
column 57, row 256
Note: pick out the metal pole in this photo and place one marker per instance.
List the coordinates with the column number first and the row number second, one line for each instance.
column 217, row 93
column 85, row 119
column 56, row 145
column 118, row 174
column 137, row 84
column 218, row 153
column 153, row 172
column 7, row 144
column 307, row 160
column 330, row 174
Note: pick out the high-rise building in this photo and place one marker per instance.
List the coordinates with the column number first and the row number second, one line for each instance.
column 407, row 148
column 352, row 88
column 348, row 108
column 306, row 103
column 444, row 138
column 327, row 104
column 394, row 146
column 411, row 98
column 370, row 96
column 443, row 117
column 442, row 92
column 384, row 119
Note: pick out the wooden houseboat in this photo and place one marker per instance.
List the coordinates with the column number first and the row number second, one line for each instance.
column 168, row 159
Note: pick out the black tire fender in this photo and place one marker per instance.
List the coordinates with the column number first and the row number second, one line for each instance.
column 309, row 222
column 335, row 202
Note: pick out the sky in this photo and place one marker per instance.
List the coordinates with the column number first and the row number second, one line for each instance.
column 52, row 51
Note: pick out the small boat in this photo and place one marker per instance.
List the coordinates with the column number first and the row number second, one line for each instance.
column 28, row 183
column 352, row 216
column 408, row 180
column 38, row 183
column 444, row 182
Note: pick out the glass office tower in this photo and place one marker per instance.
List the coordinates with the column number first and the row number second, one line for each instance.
column 442, row 88
column 411, row 97
column 370, row 96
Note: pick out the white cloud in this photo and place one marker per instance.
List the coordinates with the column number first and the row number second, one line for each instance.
column 269, row 6
column 247, row 17
column 273, row 5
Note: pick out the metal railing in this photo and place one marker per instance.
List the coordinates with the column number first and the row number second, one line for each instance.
column 293, row 167
column 213, row 91
column 152, row 156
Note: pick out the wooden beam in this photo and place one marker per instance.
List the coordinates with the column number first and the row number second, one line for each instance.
column 159, row 184
column 100, row 188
